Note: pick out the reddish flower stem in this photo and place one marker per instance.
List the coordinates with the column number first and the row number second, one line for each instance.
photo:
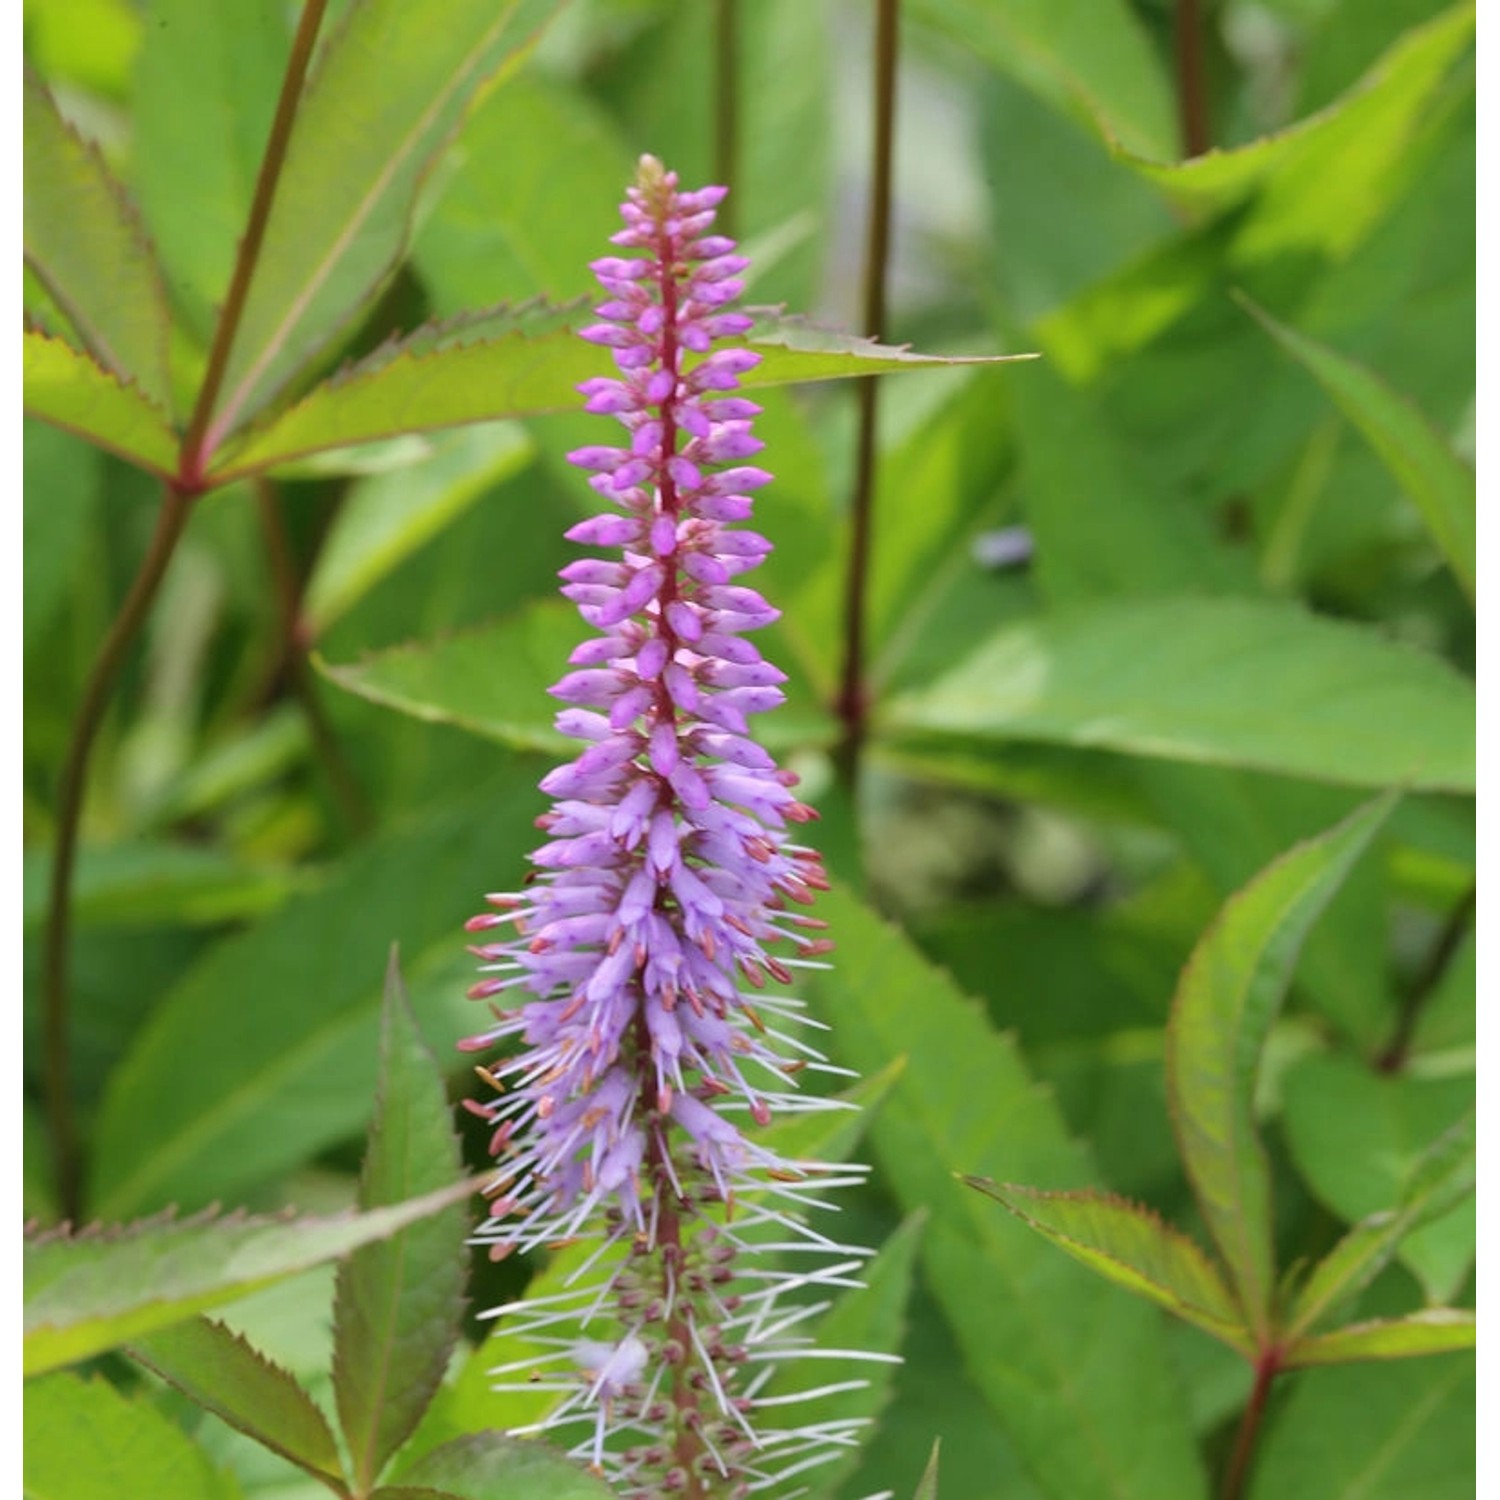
column 852, row 704
column 1267, row 1367
column 1192, row 99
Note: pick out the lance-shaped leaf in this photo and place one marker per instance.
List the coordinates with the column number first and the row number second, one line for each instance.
column 1442, row 1177
column 446, row 377
column 1434, row 1330
column 86, row 246
column 1226, row 1001
column 1131, row 1246
column 1190, row 679
column 89, row 1292
column 393, row 82
column 86, row 1440
column 454, row 681
column 220, row 1370
column 487, row 1466
column 1363, row 133
column 1434, row 478
column 68, row 389
column 398, row 1304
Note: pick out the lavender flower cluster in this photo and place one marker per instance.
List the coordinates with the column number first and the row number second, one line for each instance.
column 635, row 1060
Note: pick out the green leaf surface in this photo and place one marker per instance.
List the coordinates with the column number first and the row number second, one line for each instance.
column 146, row 882
column 1094, row 61
column 1131, row 1246
column 487, row 1466
column 206, row 87
column 221, row 1371
column 1347, row 147
column 70, row 390
column 1362, row 1141
column 85, row 1440
column 391, row 84
column 1443, row 1175
column 280, row 1022
column 1436, row 480
column 416, row 386
column 1191, row 679
column 62, row 483
column 493, row 681
column 85, row 243
column 1226, row 1001
column 1391, row 1431
column 87, row 1293
column 1030, row 1323
column 398, row 1304
column 1435, row 1330
column 387, row 517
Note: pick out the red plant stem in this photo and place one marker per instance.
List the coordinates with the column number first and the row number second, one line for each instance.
column 62, row 1125
column 1267, row 1367
column 194, row 459
column 1192, row 100
column 852, row 705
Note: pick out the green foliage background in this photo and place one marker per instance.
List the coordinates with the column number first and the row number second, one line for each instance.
column 1244, row 462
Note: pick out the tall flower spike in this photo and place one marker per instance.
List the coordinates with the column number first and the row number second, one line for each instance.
column 670, row 882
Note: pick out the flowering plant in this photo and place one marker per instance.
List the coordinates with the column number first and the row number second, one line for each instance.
column 669, row 879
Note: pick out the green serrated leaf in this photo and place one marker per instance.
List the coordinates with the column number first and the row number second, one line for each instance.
column 1346, row 148
column 487, row 1466
column 85, row 1440
column 455, row 681
column 70, row 390
column 89, row 1292
column 1443, row 1175
column 386, row 518
column 1434, row 478
column 1225, row 1004
column 1131, row 1246
column 398, row 1304
column 280, row 1022
column 1190, row 679
column 1434, row 1330
column 222, row 1371
column 392, row 83
column 85, row 244
column 416, row 386
column 1390, row 1431
column 1355, row 1135
column 1027, row 1319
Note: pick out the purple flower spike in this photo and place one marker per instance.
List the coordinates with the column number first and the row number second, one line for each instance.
column 669, row 885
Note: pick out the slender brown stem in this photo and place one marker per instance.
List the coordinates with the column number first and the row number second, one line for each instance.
column 349, row 797
column 727, row 108
column 1425, row 981
column 1238, row 1471
column 194, row 459
column 1192, row 98
column 852, row 705
column 96, row 694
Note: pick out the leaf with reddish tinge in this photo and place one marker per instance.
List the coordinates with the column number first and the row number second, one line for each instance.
column 69, row 389
column 1226, row 1001
column 220, row 1370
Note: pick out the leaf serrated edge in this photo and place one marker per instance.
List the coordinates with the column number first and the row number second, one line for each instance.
column 261, row 1434
column 1237, row 1337
column 135, row 224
